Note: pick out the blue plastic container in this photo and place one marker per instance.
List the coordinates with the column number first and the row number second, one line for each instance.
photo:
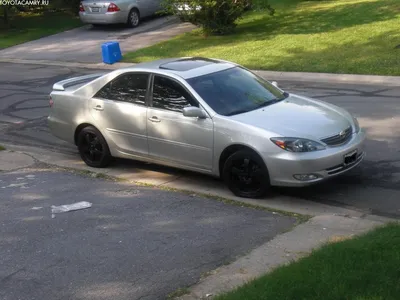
column 111, row 52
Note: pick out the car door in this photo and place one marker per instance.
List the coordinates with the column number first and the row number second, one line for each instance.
column 120, row 110
column 186, row 141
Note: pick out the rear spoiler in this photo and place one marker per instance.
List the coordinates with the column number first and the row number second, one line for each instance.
column 62, row 85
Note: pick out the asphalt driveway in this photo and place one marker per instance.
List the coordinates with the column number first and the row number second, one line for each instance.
column 133, row 243
column 84, row 44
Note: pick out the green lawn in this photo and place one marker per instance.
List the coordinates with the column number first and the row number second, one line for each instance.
column 363, row 268
column 27, row 27
column 334, row 36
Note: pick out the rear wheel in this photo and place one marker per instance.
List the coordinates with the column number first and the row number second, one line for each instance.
column 133, row 18
column 246, row 175
column 93, row 148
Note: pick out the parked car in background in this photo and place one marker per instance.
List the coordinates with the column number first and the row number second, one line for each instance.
column 209, row 116
column 128, row 12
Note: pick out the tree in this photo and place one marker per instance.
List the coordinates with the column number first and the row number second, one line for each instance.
column 5, row 14
column 215, row 17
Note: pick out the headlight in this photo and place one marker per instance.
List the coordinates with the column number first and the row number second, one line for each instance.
column 297, row 144
column 356, row 125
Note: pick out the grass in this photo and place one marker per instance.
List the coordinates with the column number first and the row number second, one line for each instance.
column 2, row 148
column 31, row 26
column 364, row 268
column 334, row 36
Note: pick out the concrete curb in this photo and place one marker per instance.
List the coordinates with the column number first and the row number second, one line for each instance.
column 281, row 250
column 271, row 75
column 331, row 78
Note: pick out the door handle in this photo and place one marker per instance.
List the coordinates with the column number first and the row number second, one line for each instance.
column 154, row 119
column 98, row 107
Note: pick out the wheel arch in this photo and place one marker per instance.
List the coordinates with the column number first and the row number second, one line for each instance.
column 79, row 129
column 134, row 7
column 229, row 150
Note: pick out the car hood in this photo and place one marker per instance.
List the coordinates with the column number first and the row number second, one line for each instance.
column 298, row 116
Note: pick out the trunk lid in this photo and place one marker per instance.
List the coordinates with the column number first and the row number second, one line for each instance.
column 75, row 81
column 96, row 7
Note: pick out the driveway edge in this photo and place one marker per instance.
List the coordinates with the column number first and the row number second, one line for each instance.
column 271, row 75
column 281, row 250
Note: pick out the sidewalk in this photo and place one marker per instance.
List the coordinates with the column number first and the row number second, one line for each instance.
column 270, row 75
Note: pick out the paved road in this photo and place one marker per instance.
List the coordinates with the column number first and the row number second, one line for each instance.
column 374, row 187
column 133, row 243
column 84, row 44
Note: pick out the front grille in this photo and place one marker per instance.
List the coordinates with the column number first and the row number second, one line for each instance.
column 338, row 139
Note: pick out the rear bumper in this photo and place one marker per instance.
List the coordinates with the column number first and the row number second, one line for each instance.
column 323, row 164
column 60, row 129
column 104, row 18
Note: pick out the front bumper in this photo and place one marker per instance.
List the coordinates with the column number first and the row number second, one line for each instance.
column 104, row 18
column 322, row 164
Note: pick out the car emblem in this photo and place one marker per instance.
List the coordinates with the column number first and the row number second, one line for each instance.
column 342, row 133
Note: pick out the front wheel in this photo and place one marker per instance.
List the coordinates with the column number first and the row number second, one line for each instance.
column 93, row 148
column 133, row 18
column 246, row 175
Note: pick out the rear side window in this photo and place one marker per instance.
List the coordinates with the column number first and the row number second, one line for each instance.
column 130, row 88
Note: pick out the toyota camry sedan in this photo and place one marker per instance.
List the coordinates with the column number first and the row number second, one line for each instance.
column 209, row 116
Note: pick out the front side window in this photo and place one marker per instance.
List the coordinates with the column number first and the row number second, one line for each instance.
column 126, row 88
column 235, row 90
column 170, row 95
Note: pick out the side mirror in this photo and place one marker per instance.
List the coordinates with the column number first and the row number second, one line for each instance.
column 275, row 83
column 194, row 112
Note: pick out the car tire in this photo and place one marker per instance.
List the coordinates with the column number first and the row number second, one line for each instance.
column 93, row 148
column 246, row 174
column 133, row 18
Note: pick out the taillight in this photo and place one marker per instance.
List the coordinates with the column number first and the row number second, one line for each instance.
column 51, row 102
column 112, row 8
column 81, row 8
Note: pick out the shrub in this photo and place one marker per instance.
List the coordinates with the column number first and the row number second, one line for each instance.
column 215, row 17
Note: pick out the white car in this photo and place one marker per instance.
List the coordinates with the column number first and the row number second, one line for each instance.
column 209, row 116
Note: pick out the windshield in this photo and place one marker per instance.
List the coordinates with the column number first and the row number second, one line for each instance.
column 234, row 91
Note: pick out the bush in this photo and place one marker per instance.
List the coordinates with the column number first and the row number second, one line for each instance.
column 215, row 17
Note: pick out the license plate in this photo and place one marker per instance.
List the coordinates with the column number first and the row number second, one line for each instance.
column 350, row 157
column 95, row 9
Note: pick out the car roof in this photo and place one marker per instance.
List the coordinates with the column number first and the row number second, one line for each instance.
column 186, row 67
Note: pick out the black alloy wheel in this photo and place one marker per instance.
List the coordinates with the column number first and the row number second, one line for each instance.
column 246, row 175
column 93, row 148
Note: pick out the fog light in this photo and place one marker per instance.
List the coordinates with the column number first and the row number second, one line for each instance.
column 305, row 177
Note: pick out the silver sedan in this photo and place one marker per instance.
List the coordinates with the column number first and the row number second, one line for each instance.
column 209, row 116
column 129, row 12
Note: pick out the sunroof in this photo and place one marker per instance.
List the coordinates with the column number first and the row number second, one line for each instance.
column 187, row 64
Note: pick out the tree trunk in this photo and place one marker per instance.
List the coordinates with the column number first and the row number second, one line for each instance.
column 5, row 14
